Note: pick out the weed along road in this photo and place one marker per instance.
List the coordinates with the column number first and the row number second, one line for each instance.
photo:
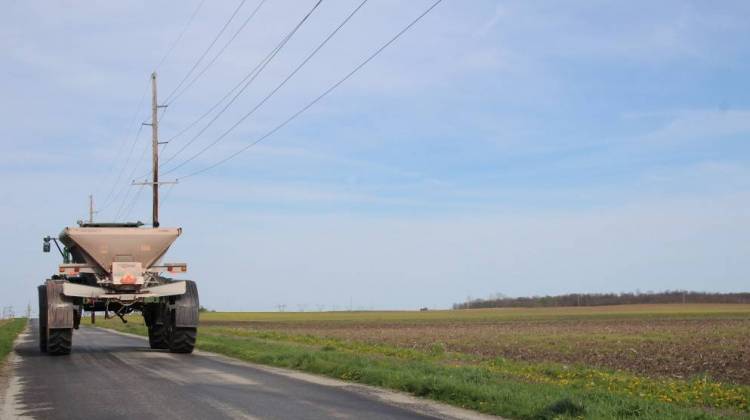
column 115, row 376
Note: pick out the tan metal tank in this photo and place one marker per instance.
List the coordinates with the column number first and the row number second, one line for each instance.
column 105, row 245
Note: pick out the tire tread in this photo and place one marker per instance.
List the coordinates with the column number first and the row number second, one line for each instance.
column 157, row 337
column 60, row 341
column 182, row 340
column 42, row 317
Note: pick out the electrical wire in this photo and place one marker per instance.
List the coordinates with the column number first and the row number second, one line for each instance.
column 273, row 91
column 179, row 37
column 167, row 194
column 221, row 51
column 210, row 110
column 204, row 115
column 106, row 201
column 248, row 80
column 136, row 167
column 125, row 186
column 205, row 52
column 254, row 72
column 252, row 75
column 318, row 98
column 126, row 215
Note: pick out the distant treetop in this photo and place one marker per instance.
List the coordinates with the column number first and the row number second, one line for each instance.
column 602, row 299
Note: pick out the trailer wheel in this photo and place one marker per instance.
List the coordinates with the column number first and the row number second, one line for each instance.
column 183, row 320
column 157, row 337
column 60, row 341
column 182, row 340
column 42, row 317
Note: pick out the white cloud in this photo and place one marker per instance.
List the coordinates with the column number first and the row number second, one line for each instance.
column 711, row 125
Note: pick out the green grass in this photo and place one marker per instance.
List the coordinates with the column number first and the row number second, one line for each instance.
column 698, row 392
column 498, row 386
column 9, row 330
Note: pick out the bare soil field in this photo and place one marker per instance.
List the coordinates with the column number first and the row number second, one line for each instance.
column 648, row 340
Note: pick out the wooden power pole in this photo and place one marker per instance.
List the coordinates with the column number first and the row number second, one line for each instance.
column 155, row 151
column 154, row 154
column 91, row 208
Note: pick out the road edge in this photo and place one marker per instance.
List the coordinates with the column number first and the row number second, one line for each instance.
column 395, row 398
column 9, row 383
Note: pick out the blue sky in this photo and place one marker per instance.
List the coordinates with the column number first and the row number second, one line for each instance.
column 514, row 147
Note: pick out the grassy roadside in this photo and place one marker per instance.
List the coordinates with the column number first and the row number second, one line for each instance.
column 9, row 330
column 500, row 387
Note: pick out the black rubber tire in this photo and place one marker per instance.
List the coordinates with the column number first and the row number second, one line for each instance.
column 77, row 317
column 60, row 341
column 158, row 337
column 42, row 317
column 182, row 340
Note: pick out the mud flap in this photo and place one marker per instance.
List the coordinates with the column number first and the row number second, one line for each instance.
column 59, row 307
column 186, row 307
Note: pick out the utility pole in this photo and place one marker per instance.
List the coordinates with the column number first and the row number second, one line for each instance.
column 91, row 209
column 154, row 154
column 155, row 151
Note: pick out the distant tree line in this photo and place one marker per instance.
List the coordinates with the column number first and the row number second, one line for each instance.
column 602, row 299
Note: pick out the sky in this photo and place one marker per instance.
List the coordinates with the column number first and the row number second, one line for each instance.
column 515, row 147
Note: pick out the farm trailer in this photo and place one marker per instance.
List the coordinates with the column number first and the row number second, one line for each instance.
column 115, row 268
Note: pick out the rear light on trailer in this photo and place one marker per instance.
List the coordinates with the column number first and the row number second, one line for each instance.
column 69, row 270
column 177, row 268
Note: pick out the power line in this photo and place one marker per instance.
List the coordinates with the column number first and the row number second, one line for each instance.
column 221, row 51
column 106, row 201
column 321, row 96
column 204, row 115
column 136, row 167
column 248, row 80
column 167, row 194
column 236, row 33
column 125, row 187
column 179, row 37
column 214, row 106
column 202, row 56
column 276, row 89
column 126, row 215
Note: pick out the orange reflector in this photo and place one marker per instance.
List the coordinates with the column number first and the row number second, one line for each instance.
column 127, row 279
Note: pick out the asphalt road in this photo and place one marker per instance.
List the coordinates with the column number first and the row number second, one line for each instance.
column 116, row 376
